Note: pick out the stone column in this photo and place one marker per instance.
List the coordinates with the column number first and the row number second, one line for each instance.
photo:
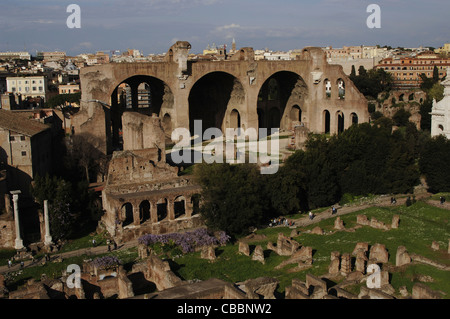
column 170, row 209
column 48, row 238
column 153, row 212
column 189, row 208
column 19, row 241
column 136, row 214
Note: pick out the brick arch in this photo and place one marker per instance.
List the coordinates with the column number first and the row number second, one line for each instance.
column 213, row 97
column 293, row 90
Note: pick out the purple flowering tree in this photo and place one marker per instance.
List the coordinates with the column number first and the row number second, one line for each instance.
column 187, row 241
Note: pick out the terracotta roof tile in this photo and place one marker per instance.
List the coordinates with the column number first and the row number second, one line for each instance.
column 21, row 123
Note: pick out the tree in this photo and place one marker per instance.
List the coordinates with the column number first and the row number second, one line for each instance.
column 71, row 206
column 353, row 73
column 233, row 197
column 427, row 83
column 433, row 163
column 62, row 99
column 401, row 117
column 425, row 110
column 86, row 154
column 436, row 92
column 435, row 74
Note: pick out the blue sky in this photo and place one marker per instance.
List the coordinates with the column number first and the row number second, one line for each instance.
column 152, row 26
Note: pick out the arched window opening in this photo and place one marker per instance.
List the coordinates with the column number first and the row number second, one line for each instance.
column 127, row 214
column 327, row 88
column 326, row 121
column 144, row 211
column 179, row 206
column 161, row 209
column 341, row 89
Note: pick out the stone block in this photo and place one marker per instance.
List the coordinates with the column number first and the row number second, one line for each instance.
column 395, row 221
column 244, row 248
column 422, row 291
column 258, row 254
column 379, row 253
column 402, row 257
column 339, row 224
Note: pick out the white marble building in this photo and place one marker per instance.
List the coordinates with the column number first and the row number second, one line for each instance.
column 440, row 112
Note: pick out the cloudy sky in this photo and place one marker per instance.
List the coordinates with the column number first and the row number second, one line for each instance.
column 152, row 26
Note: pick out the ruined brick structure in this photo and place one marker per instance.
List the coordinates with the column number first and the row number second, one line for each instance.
column 145, row 101
column 239, row 92
column 143, row 194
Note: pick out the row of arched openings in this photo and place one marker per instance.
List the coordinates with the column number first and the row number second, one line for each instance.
column 162, row 210
column 279, row 101
column 340, row 121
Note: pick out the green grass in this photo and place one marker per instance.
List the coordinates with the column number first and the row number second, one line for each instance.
column 83, row 242
column 6, row 254
column 420, row 224
column 55, row 270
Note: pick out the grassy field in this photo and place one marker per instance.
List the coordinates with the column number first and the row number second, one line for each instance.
column 420, row 225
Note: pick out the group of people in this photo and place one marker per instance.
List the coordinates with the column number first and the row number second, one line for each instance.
column 393, row 201
column 108, row 242
column 442, row 200
column 281, row 221
column 10, row 264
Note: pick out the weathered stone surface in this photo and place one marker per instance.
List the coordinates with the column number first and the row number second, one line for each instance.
column 363, row 246
column 422, row 291
column 258, row 254
column 404, row 291
column 341, row 293
column 435, row 245
column 316, row 286
column 263, row 286
column 346, row 264
column 360, row 263
column 362, row 220
column 300, row 286
column 294, row 293
column 333, row 269
column 303, row 255
column 244, row 248
column 208, row 252
column 374, row 223
column 317, row 231
column 285, row 246
column 339, row 224
column 402, row 257
column 159, row 272
column 379, row 253
column 395, row 221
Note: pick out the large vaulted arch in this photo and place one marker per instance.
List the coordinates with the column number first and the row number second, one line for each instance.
column 218, row 100
column 139, row 93
column 277, row 97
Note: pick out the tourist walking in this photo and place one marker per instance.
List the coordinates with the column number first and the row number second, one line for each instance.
column 9, row 263
column 310, row 215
